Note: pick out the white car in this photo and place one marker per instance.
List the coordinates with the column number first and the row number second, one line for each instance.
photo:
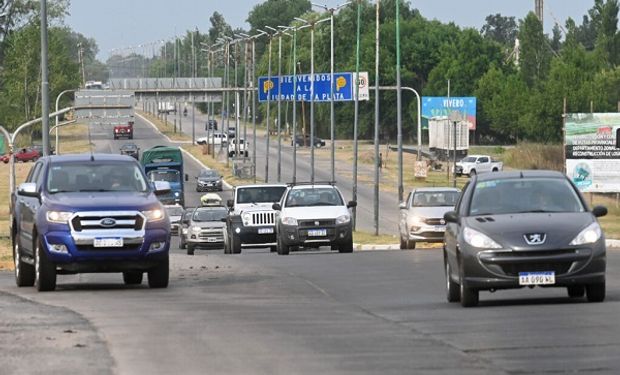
column 476, row 164
column 243, row 147
column 216, row 139
column 313, row 215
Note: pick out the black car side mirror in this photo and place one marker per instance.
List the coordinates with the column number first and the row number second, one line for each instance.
column 276, row 207
column 599, row 211
column 351, row 204
column 451, row 217
column 230, row 203
column 186, row 177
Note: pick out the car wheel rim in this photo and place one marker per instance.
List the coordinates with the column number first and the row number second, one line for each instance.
column 17, row 270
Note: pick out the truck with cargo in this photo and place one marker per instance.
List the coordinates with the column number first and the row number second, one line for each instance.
column 164, row 163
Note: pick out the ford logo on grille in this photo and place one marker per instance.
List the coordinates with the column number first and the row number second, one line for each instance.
column 108, row 222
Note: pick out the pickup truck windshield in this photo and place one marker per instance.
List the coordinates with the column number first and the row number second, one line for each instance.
column 314, row 197
column 263, row 194
column 98, row 176
column 524, row 195
column 169, row 176
column 469, row 159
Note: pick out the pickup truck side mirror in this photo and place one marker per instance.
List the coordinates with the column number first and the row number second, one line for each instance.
column 162, row 187
column 402, row 206
column 276, row 207
column 230, row 203
column 351, row 204
column 451, row 217
column 28, row 189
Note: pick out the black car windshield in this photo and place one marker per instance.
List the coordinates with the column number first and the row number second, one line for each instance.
column 95, row 176
column 210, row 214
column 209, row 173
column 313, row 197
column 524, row 195
column 261, row 194
column 435, row 199
column 170, row 176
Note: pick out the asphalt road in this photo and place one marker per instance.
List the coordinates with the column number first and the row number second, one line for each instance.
column 377, row 312
column 388, row 202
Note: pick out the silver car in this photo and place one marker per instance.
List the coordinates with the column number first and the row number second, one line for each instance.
column 175, row 212
column 206, row 229
column 421, row 215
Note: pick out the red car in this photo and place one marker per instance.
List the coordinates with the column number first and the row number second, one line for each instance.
column 23, row 155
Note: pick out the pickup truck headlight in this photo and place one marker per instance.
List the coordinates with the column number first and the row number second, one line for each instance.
column 176, row 194
column 154, row 215
column 289, row 221
column 343, row 219
column 479, row 240
column 247, row 218
column 590, row 234
column 196, row 229
column 60, row 217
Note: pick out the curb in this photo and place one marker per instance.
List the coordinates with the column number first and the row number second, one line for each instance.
column 226, row 184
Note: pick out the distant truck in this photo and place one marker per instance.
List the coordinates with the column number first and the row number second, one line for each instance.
column 476, row 164
column 124, row 131
column 166, row 107
column 163, row 163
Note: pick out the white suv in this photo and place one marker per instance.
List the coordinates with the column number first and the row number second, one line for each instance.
column 313, row 215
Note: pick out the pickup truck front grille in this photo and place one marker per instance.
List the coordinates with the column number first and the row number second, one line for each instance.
column 322, row 223
column 85, row 221
column 263, row 218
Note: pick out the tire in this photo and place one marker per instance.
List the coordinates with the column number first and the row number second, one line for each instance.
column 403, row 244
column 182, row 244
column 346, row 247
column 452, row 288
column 495, row 170
column 273, row 249
column 24, row 272
column 411, row 245
column 190, row 249
column 283, row 249
column 472, row 173
column 576, row 291
column 159, row 275
column 469, row 296
column 595, row 292
column 44, row 270
column 235, row 244
column 133, row 277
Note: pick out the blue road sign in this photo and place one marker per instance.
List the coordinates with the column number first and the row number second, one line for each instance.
column 283, row 86
column 441, row 106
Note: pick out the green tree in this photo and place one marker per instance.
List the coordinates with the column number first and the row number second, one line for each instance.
column 535, row 51
column 500, row 29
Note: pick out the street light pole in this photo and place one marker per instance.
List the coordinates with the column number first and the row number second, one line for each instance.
column 356, row 110
column 376, row 139
column 45, row 100
column 268, row 91
column 399, row 106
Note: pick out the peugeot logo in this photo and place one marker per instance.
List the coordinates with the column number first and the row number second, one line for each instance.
column 535, row 238
column 108, row 222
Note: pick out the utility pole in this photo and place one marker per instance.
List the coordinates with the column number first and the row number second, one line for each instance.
column 399, row 107
column 45, row 100
column 377, row 83
column 356, row 111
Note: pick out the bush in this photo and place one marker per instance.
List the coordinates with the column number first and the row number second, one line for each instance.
column 535, row 156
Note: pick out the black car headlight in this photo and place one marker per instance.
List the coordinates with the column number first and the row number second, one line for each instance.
column 476, row 239
column 590, row 234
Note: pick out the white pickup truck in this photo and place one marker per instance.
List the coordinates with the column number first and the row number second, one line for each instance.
column 243, row 147
column 475, row 164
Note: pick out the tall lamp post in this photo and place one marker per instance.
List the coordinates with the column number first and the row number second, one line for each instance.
column 376, row 187
column 268, row 91
column 45, row 100
column 254, row 97
column 356, row 110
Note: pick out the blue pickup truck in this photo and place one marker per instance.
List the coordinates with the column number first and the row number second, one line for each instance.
column 163, row 163
column 89, row 213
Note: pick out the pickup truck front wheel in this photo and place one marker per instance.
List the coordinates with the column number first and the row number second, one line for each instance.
column 235, row 244
column 45, row 270
column 24, row 272
column 282, row 248
column 472, row 173
column 159, row 275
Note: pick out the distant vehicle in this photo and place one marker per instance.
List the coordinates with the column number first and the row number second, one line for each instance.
column 174, row 213
column 123, row 131
column 166, row 107
column 208, row 180
column 23, row 155
column 39, row 149
column 184, row 225
column 211, row 125
column 421, row 215
column 130, row 149
column 523, row 229
column 313, row 215
column 252, row 218
column 206, row 228
column 301, row 141
column 89, row 213
column 216, row 138
column 243, row 148
column 232, row 132
column 94, row 85
column 211, row 200
column 476, row 164
column 163, row 163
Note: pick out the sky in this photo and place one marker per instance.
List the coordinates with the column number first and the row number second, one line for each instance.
column 131, row 23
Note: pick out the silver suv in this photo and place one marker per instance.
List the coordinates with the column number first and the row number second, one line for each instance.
column 421, row 215
column 313, row 215
column 206, row 229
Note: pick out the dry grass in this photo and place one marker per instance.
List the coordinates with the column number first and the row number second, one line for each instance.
column 73, row 139
column 365, row 238
column 535, row 156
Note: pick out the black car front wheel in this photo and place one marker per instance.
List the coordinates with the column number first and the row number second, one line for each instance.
column 469, row 296
column 595, row 292
column 452, row 288
column 576, row 291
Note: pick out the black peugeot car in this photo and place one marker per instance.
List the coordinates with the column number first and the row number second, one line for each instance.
column 209, row 180
column 130, row 149
column 523, row 229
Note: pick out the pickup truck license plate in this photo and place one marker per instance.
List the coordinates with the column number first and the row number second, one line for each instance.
column 108, row 242
column 537, row 278
column 212, row 239
column 317, row 232
column 265, row 230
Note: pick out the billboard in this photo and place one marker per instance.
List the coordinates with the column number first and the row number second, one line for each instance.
column 591, row 142
column 283, row 86
column 439, row 107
